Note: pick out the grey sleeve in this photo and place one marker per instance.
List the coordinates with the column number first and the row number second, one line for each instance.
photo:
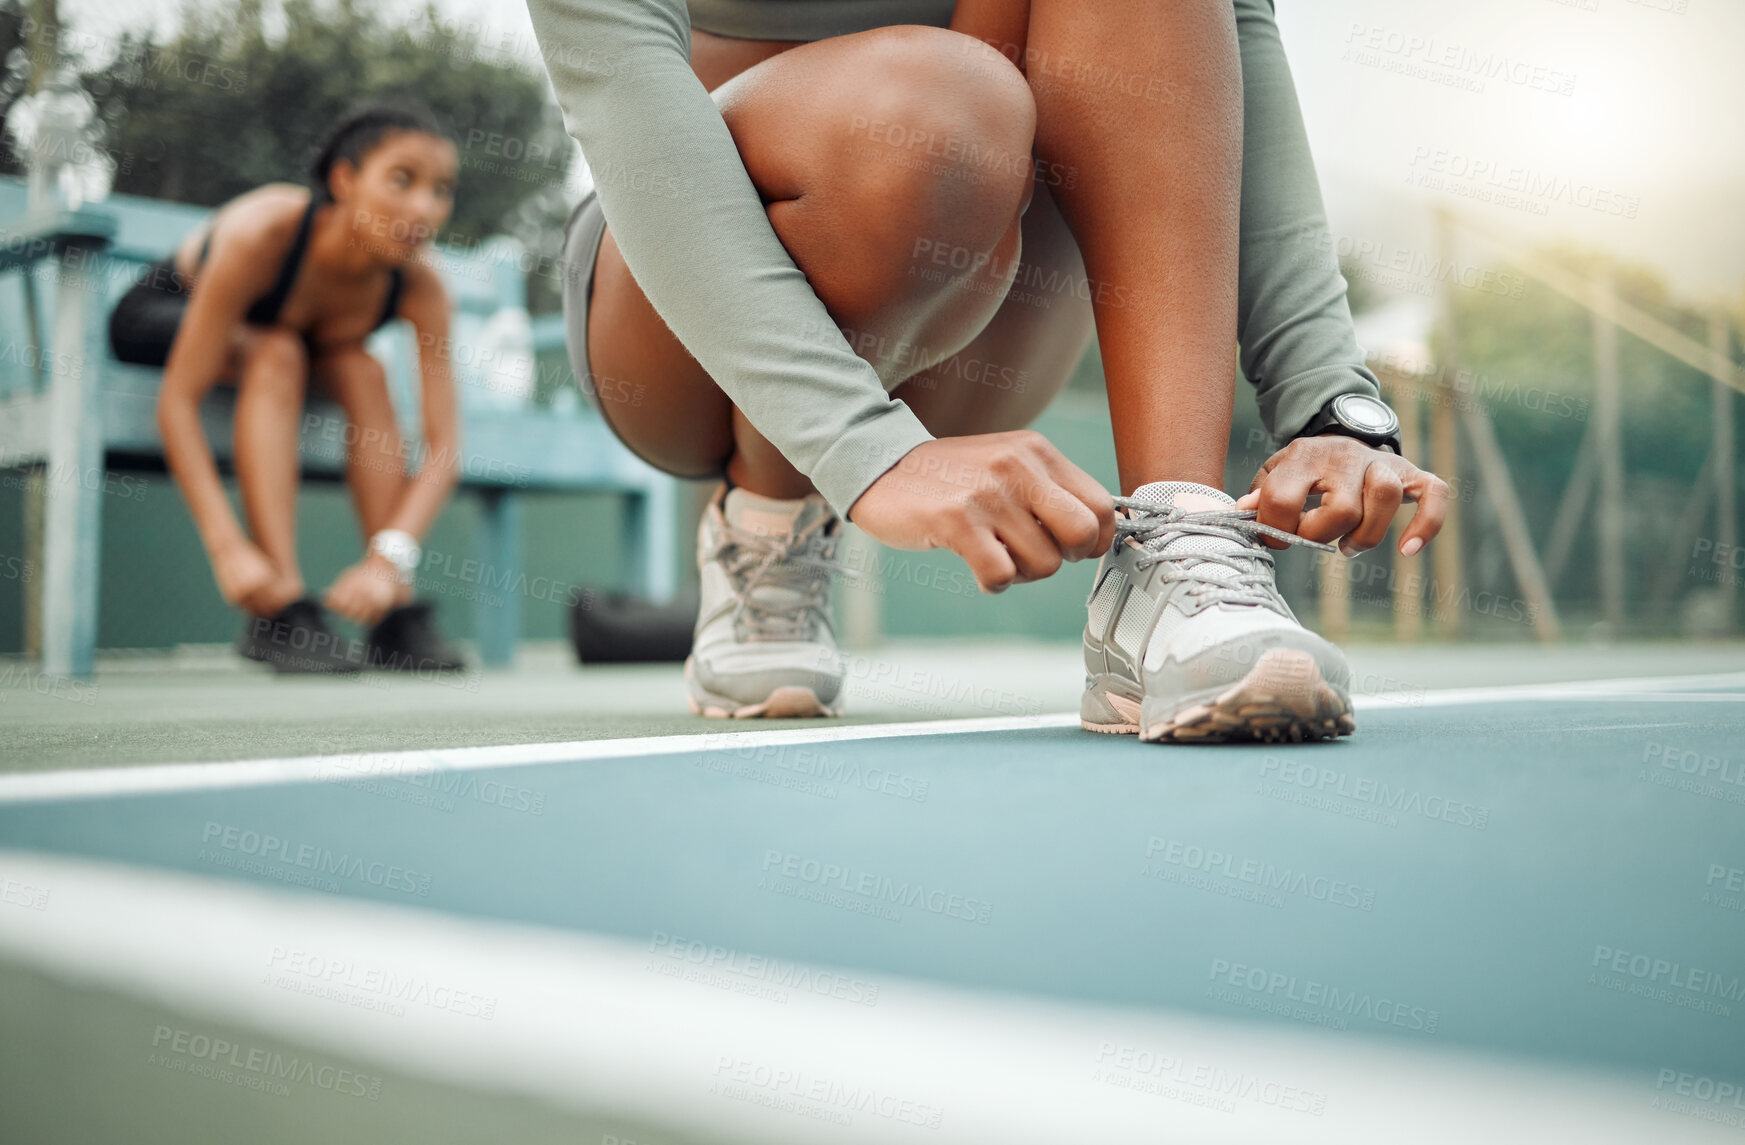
column 1293, row 322
column 694, row 233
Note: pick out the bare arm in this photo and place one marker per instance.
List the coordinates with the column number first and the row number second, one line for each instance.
column 197, row 361
column 426, row 306
column 253, row 244
column 366, row 590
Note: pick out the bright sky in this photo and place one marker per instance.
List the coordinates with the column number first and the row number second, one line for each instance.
column 1610, row 122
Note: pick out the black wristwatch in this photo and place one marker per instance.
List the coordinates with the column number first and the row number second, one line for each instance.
column 1367, row 419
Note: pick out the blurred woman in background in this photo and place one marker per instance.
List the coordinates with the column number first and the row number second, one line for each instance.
column 280, row 289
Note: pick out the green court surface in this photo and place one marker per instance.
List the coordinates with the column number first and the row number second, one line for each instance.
column 1515, row 912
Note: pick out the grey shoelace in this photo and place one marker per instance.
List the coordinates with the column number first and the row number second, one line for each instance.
column 1153, row 527
column 800, row 564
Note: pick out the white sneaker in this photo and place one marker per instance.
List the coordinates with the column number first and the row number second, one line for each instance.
column 765, row 645
column 1188, row 638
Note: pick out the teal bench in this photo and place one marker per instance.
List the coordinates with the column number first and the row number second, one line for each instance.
column 67, row 404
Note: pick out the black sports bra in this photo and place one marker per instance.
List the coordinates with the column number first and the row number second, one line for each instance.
column 265, row 311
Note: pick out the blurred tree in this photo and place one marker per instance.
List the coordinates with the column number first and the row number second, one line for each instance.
column 1531, row 358
column 1360, row 293
column 15, row 58
column 221, row 107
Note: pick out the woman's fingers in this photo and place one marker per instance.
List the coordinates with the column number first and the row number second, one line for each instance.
column 1080, row 513
column 1280, row 497
column 1010, row 504
column 1361, row 491
column 989, row 561
column 1035, row 554
column 1382, row 493
column 1432, row 495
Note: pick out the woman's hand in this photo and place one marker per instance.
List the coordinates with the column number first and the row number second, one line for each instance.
column 1361, row 488
column 1010, row 504
column 366, row 590
column 249, row 581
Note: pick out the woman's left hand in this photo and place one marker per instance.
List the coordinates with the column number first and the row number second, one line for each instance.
column 366, row 590
column 1361, row 488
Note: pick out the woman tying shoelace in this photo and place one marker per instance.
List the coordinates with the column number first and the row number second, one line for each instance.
column 277, row 292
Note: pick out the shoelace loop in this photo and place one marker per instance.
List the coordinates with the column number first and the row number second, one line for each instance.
column 1154, row 526
column 801, row 563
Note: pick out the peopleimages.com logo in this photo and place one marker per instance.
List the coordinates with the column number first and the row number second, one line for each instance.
column 873, row 889
column 264, row 847
column 253, row 1067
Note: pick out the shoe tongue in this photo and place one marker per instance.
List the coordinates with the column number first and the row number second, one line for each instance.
column 767, row 515
column 1189, row 495
column 1192, row 497
column 784, row 586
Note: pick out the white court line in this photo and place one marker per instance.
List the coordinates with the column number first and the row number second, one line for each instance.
column 157, row 778
column 596, row 1025
column 160, row 778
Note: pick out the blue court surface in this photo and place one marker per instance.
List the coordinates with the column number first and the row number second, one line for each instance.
column 1509, row 914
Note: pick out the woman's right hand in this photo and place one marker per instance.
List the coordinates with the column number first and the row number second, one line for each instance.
column 1010, row 504
column 248, row 580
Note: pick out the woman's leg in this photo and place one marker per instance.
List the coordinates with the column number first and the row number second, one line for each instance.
column 1015, row 366
column 375, row 461
column 272, row 375
column 1153, row 134
column 877, row 228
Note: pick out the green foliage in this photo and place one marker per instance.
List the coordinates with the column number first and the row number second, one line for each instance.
column 1361, row 294
column 221, row 108
column 12, row 40
column 1542, row 340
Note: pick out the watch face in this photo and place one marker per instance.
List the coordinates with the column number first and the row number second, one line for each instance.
column 1365, row 414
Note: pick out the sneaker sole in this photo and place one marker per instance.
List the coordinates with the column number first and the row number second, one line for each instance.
column 1283, row 697
column 794, row 701
column 294, row 667
column 1124, row 708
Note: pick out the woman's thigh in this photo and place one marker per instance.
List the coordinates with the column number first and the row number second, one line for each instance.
column 1015, row 366
column 866, row 255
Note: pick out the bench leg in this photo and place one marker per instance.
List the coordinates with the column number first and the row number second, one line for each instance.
column 647, row 543
column 72, row 503
column 497, row 613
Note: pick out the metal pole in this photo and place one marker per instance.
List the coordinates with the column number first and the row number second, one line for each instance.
column 862, row 600
column 72, row 502
column 35, row 498
column 1499, row 487
column 1335, row 596
column 1407, row 590
column 1571, row 508
column 1726, row 513
column 45, row 40
column 1609, row 440
column 1445, row 584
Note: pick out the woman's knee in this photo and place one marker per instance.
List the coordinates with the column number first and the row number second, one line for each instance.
column 944, row 125
column 353, row 376
column 356, row 379
column 947, row 100
column 275, row 360
column 919, row 142
column 354, row 362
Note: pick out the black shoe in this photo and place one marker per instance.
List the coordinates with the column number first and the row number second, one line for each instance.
column 406, row 640
column 298, row 640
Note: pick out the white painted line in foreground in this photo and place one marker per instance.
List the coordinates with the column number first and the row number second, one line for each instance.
column 592, row 1024
column 158, row 778
column 154, row 779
